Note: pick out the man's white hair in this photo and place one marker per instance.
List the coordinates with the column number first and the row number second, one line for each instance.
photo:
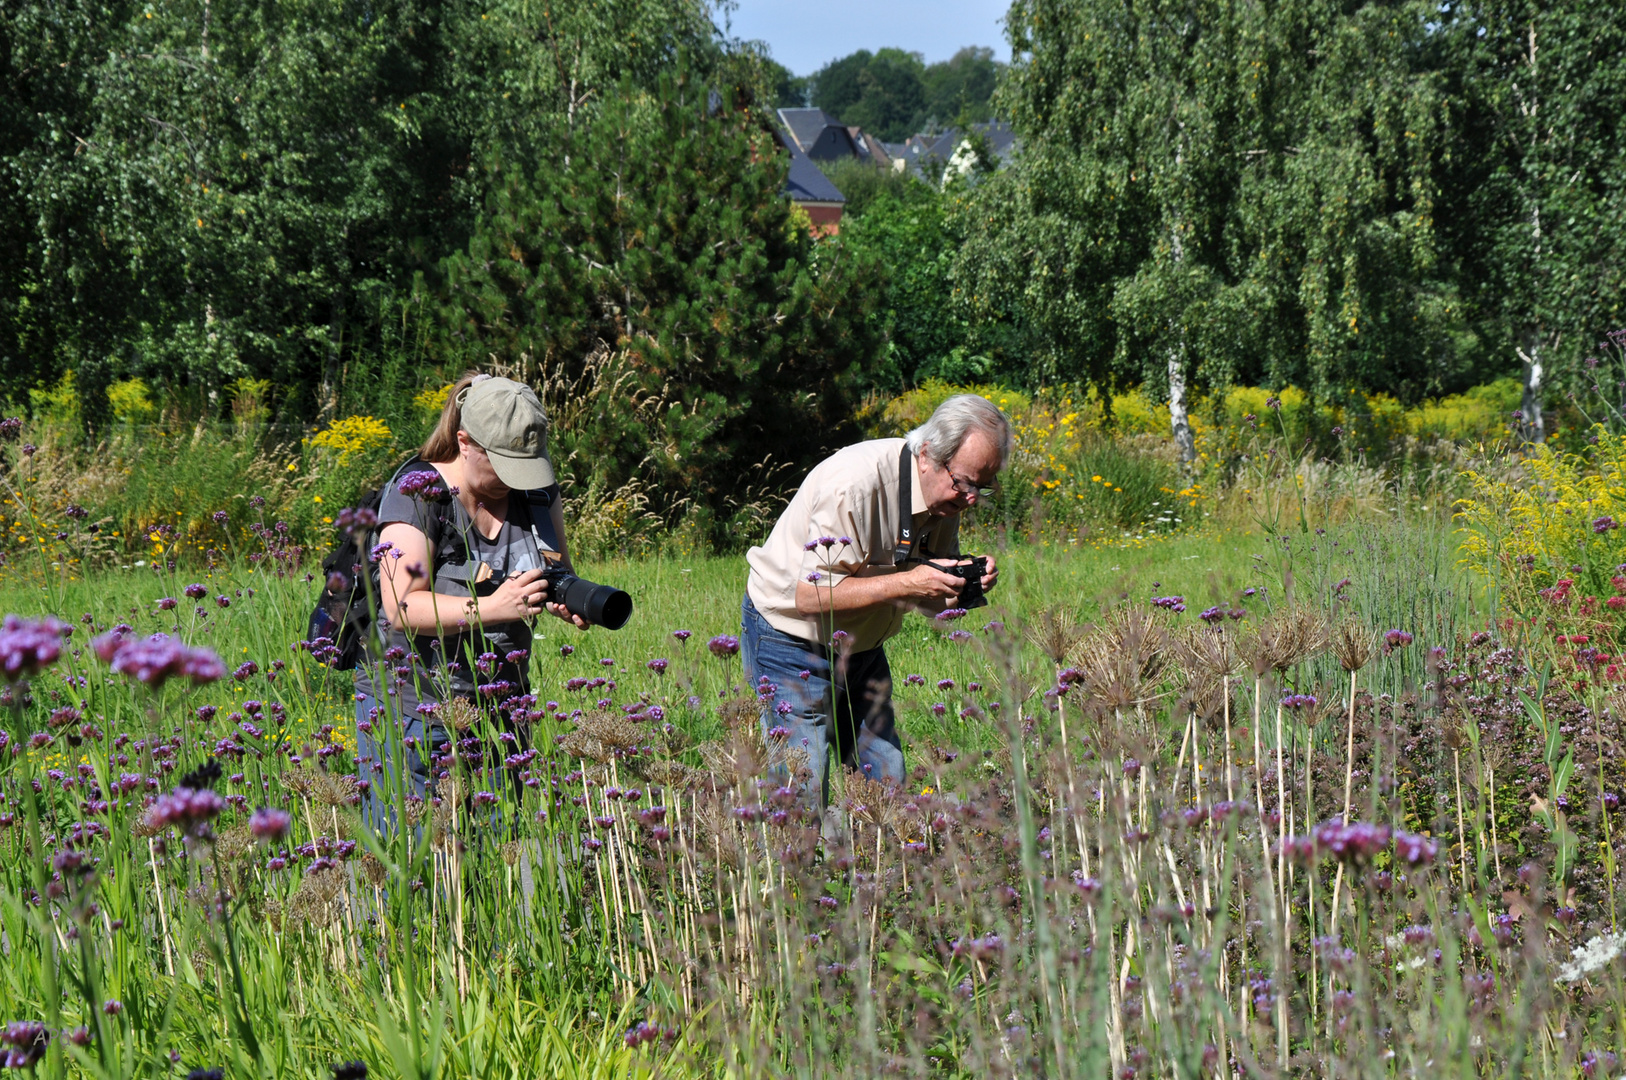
column 945, row 432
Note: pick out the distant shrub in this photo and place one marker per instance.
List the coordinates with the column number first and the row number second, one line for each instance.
column 354, row 436
column 1561, row 520
column 250, row 399
column 893, row 418
column 57, row 405
column 1480, row 414
column 431, row 400
column 131, row 402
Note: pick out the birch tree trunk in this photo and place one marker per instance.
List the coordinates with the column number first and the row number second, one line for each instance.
column 1178, row 418
column 1531, row 427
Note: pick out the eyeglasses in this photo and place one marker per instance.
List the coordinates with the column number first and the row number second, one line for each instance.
column 965, row 487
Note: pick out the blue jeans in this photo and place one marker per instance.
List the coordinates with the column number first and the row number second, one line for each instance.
column 862, row 727
column 420, row 743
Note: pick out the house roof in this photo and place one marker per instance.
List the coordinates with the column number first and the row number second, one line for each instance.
column 998, row 133
column 918, row 148
column 819, row 135
column 806, row 125
column 806, row 182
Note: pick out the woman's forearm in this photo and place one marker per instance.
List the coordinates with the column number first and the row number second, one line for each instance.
column 422, row 612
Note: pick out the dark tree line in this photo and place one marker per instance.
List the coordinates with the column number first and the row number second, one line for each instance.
column 1399, row 196
column 346, row 198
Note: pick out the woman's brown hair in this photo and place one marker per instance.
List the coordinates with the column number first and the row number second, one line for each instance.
column 441, row 446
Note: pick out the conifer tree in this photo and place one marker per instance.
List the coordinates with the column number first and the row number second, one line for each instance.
column 660, row 232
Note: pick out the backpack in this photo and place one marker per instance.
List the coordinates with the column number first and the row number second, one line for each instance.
column 339, row 624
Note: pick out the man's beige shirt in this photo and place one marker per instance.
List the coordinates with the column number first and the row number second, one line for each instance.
column 851, row 497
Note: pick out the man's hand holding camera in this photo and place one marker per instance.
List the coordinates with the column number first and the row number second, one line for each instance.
column 932, row 588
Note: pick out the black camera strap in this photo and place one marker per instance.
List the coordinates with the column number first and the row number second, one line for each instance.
column 907, row 538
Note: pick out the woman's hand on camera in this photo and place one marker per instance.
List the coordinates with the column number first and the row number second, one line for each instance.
column 562, row 612
column 522, row 596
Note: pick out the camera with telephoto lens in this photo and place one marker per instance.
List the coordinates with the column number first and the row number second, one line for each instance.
column 971, row 573
column 601, row 605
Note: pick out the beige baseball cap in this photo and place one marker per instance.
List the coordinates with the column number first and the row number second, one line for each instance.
column 507, row 420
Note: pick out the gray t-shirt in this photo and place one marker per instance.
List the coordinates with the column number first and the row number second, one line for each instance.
column 459, row 662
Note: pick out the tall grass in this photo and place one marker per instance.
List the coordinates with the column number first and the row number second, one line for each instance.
column 1105, row 859
column 1274, row 789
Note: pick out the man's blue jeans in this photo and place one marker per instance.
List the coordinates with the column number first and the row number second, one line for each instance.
column 861, row 725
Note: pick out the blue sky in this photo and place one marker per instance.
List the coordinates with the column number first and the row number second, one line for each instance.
column 807, row 34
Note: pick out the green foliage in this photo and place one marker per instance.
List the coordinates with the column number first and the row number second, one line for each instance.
column 131, row 401
column 784, row 90
column 882, row 92
column 1246, row 190
column 1535, row 185
column 960, row 90
column 906, row 231
column 719, row 336
column 862, row 183
column 200, row 191
column 894, row 94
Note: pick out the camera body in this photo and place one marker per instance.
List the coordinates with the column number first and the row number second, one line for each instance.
column 971, row 573
column 601, row 605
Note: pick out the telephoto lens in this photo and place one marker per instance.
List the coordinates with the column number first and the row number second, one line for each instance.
column 601, row 605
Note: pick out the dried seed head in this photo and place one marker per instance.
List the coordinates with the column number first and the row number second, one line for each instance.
column 301, row 781
column 332, row 789
column 1285, row 641
column 1120, row 662
column 460, row 713
column 866, row 800
column 373, row 871
column 1353, row 645
column 670, row 774
column 1056, row 633
column 234, row 842
column 1453, row 734
column 600, row 734
column 741, row 715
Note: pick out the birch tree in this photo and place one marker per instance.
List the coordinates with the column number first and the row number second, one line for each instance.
column 1211, row 191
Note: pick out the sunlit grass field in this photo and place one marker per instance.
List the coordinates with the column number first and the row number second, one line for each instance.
column 702, row 594
column 603, row 933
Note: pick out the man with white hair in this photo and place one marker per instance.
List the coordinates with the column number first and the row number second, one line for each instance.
column 863, row 542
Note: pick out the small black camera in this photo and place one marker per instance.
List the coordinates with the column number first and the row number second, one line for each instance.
column 971, row 573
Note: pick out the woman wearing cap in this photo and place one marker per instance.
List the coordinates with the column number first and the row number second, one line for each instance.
column 463, row 610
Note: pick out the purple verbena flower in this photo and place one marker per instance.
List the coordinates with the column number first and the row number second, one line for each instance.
column 28, row 647
column 1414, row 849
column 724, row 645
column 190, row 810
column 157, row 659
column 423, row 484
column 269, row 823
column 27, row 1041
